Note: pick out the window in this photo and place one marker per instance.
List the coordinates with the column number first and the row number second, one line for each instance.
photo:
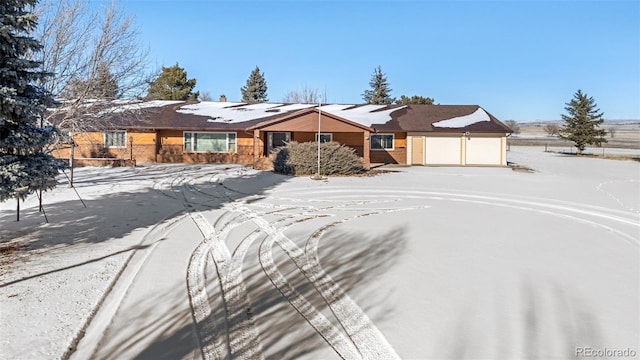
column 382, row 142
column 325, row 137
column 209, row 142
column 116, row 139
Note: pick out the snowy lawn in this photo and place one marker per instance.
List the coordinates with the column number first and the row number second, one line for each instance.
column 421, row 262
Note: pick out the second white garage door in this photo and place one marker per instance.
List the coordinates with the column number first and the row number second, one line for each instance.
column 483, row 151
column 442, row 150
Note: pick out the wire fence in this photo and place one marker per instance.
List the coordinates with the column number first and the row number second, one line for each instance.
column 611, row 149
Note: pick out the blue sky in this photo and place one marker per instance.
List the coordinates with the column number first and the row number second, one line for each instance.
column 519, row 60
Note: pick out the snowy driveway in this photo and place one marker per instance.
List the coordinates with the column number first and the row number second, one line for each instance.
column 425, row 263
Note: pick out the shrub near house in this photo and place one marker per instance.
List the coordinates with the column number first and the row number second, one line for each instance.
column 302, row 159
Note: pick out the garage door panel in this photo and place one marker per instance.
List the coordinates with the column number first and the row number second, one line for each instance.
column 483, row 151
column 442, row 150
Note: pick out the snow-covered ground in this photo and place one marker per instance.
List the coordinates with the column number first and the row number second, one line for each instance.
column 419, row 263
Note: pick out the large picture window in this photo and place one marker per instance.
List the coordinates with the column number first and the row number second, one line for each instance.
column 115, row 139
column 209, row 142
column 382, row 142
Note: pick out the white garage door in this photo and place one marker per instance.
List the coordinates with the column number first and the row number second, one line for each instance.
column 483, row 151
column 442, row 151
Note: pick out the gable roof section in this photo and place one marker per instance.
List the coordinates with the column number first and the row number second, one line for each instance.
column 304, row 112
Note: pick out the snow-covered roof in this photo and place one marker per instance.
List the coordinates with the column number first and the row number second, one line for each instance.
column 113, row 106
column 461, row 121
column 145, row 104
column 366, row 115
column 229, row 112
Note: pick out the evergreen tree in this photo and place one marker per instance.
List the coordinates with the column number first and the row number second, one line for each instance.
column 172, row 84
column 380, row 92
column 25, row 166
column 255, row 90
column 581, row 125
column 414, row 100
column 103, row 86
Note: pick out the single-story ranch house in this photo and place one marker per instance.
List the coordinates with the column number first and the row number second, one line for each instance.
column 227, row 132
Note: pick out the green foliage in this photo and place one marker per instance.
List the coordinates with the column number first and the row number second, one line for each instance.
column 255, row 90
column 103, row 86
column 302, row 159
column 25, row 166
column 582, row 122
column 414, row 100
column 380, row 92
column 172, row 84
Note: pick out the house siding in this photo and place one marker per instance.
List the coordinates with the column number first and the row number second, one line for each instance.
column 396, row 156
column 424, row 144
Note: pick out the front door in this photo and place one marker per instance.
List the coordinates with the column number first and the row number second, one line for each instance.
column 277, row 139
column 417, row 150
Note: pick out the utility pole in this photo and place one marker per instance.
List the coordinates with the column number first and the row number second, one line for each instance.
column 71, row 160
column 317, row 176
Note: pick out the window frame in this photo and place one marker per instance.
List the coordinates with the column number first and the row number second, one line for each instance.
column 111, row 146
column 393, row 142
column 323, row 134
column 227, row 144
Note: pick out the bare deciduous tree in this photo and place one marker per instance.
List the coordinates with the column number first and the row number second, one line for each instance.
column 91, row 51
column 552, row 129
column 513, row 125
column 205, row 96
column 306, row 95
column 82, row 45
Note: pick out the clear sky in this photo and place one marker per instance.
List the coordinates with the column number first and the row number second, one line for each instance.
column 520, row 60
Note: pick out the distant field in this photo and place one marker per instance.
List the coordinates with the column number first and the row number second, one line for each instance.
column 626, row 134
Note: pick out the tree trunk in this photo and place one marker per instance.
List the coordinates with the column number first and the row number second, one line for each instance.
column 17, row 209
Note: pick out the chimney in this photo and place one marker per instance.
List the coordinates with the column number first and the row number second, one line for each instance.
column 223, row 98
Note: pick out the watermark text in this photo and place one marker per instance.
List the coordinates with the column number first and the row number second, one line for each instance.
column 590, row 352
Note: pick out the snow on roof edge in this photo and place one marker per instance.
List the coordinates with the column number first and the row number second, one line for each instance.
column 465, row 120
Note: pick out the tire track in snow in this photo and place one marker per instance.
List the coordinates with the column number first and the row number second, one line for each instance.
column 546, row 206
column 369, row 343
column 600, row 187
column 239, row 338
column 367, row 338
column 87, row 341
column 552, row 208
column 317, row 320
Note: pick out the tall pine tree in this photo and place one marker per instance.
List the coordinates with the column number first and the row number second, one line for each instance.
column 103, row 87
column 380, row 92
column 172, row 84
column 255, row 90
column 582, row 122
column 25, row 166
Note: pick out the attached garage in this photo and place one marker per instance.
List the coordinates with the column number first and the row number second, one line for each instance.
column 483, row 151
column 442, row 150
column 450, row 135
column 456, row 150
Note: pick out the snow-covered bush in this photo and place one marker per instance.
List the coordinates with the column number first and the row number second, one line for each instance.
column 302, row 159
